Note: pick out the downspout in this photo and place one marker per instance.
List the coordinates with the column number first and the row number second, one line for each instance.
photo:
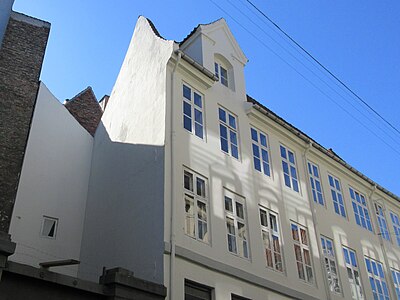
column 315, row 221
column 172, row 167
column 392, row 289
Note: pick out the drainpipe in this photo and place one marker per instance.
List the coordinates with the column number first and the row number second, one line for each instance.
column 392, row 288
column 172, row 176
column 315, row 221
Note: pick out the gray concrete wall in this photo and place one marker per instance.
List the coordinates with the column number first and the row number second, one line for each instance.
column 125, row 207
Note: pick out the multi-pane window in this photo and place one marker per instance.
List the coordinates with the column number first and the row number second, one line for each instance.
column 302, row 253
column 315, row 182
column 49, row 227
column 260, row 151
column 377, row 279
column 353, row 274
column 330, row 265
column 271, row 239
column 235, row 216
column 289, row 168
column 193, row 117
column 337, row 197
column 221, row 73
column 383, row 228
column 396, row 281
column 360, row 209
column 196, row 206
column 228, row 129
column 196, row 291
column 396, row 226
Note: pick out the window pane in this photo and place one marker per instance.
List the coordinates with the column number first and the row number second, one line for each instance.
column 254, row 135
column 188, row 181
column 263, row 218
column 239, row 210
column 201, row 187
column 190, row 218
column 222, row 115
column 197, row 100
column 232, row 121
column 228, row 204
column 186, row 92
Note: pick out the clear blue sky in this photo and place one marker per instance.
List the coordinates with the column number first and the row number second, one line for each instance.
column 359, row 41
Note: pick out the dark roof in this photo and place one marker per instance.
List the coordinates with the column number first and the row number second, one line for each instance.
column 329, row 152
column 154, row 28
column 194, row 30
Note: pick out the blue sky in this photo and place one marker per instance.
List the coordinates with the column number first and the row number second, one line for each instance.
column 359, row 41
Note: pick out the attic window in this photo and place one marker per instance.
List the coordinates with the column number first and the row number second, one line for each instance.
column 221, row 73
column 49, row 227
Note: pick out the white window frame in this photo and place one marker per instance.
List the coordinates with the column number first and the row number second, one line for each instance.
column 219, row 68
column 359, row 200
column 396, row 281
column 241, row 241
column 260, row 151
column 396, row 225
column 353, row 270
column 193, row 108
column 272, row 253
column 315, row 181
column 302, row 266
column 51, row 219
column 193, row 195
column 229, row 131
column 292, row 173
column 337, row 195
column 331, row 266
column 382, row 223
column 377, row 276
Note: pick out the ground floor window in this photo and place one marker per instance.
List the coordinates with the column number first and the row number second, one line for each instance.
column 196, row 291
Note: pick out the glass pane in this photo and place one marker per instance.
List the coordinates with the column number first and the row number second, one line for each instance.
column 216, row 68
column 283, row 152
column 222, row 115
column 263, row 218
column 228, row 204
column 295, row 232
column 186, row 92
column 291, row 157
column 201, row 187
column 188, row 181
column 198, row 130
column 254, row 135
column 224, row 145
column 190, row 219
column 256, row 150
column 263, row 140
column 198, row 116
column 232, row 121
column 239, row 210
column 257, row 164
column 233, row 137
column 223, row 131
column 235, row 151
column 202, row 211
column 187, row 123
column 187, row 109
column 273, row 222
column 303, row 234
column 197, row 100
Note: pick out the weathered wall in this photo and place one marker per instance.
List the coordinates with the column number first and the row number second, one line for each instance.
column 54, row 183
column 124, row 213
column 21, row 59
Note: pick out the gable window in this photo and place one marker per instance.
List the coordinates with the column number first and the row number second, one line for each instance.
column 396, row 281
column 193, row 117
column 377, row 279
column 235, row 216
column 289, row 168
column 228, row 132
column 302, row 253
column 49, row 227
column 396, row 226
column 196, row 206
column 353, row 274
column 315, row 182
column 196, row 291
column 222, row 73
column 260, row 151
column 384, row 232
column 271, row 238
column 337, row 197
column 360, row 209
column 330, row 265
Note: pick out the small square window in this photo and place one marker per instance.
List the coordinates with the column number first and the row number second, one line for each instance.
column 49, row 227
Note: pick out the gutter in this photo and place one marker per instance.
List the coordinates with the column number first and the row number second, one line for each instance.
column 195, row 64
column 306, row 139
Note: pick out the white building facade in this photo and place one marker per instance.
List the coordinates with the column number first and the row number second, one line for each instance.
column 196, row 185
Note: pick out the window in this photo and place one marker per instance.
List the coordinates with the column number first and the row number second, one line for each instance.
column 289, row 169
column 384, row 232
column 236, row 297
column 396, row 226
column 396, row 281
column 196, row 291
column 302, row 253
column 315, row 182
column 260, row 151
column 228, row 132
column 49, row 227
column 337, row 197
column 360, row 209
column 353, row 274
column 236, row 225
column 221, row 73
column 377, row 279
column 271, row 238
column 196, row 206
column 330, row 265
column 193, row 119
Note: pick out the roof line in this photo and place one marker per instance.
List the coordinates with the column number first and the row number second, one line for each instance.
column 89, row 88
column 270, row 114
column 194, row 31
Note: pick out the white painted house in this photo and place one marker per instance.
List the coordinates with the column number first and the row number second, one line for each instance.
column 198, row 186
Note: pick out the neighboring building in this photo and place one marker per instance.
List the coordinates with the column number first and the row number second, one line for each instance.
column 193, row 184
